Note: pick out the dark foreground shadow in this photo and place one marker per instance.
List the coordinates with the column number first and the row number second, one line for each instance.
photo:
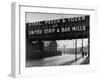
column 86, row 61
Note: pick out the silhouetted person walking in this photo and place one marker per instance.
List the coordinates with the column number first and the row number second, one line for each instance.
column 83, row 54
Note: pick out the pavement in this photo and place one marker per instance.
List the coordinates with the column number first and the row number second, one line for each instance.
column 79, row 61
column 67, row 59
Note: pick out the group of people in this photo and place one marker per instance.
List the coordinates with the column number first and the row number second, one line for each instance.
column 84, row 54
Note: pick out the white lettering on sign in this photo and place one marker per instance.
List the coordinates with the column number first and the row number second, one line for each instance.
column 49, row 30
column 76, row 18
column 65, row 29
column 35, row 32
column 72, row 19
column 79, row 28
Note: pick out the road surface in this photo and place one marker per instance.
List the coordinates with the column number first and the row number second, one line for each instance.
column 53, row 61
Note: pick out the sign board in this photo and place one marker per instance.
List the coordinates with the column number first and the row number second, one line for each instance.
column 66, row 28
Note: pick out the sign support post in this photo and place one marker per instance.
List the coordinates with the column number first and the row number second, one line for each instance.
column 82, row 46
column 75, row 49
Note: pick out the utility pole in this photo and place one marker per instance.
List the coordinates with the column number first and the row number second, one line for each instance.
column 64, row 49
column 82, row 45
column 89, row 49
column 73, row 46
column 75, row 49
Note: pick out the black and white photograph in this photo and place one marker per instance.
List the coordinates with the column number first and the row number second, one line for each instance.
column 55, row 39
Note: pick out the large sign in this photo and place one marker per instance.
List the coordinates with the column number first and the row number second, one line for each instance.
column 66, row 28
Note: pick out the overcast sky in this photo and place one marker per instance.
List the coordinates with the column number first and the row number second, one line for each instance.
column 34, row 17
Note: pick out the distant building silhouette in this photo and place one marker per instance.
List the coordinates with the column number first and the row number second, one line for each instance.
column 51, row 47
